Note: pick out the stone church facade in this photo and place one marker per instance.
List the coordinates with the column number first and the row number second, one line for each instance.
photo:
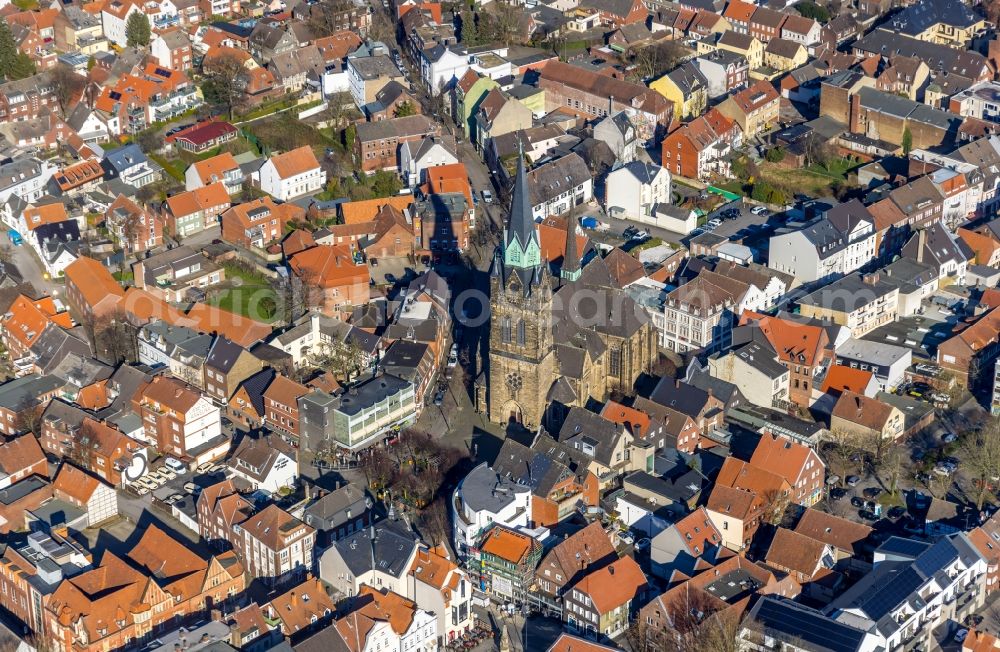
column 556, row 342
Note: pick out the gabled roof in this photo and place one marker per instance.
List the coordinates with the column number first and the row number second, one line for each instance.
column 838, row 532
column 613, row 585
column 864, row 411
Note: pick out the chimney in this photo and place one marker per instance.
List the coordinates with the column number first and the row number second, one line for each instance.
column 870, row 279
column 921, row 243
column 295, row 599
column 677, row 383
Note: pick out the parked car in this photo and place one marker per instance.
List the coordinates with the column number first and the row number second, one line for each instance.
column 142, row 490
column 487, row 196
column 837, row 493
column 176, row 465
column 715, row 223
column 852, row 480
column 204, row 468
column 759, row 210
column 642, row 544
column 950, row 437
column 626, row 538
column 867, row 515
column 856, row 501
column 871, row 492
column 896, row 512
column 439, row 398
column 640, row 235
column 961, row 634
column 192, row 488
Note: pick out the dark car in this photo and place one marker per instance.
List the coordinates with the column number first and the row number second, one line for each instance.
column 852, row 480
column 896, row 512
column 872, row 492
column 857, row 502
column 838, row 493
column 867, row 515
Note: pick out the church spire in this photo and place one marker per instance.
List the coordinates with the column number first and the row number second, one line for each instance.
column 521, row 247
column 570, row 270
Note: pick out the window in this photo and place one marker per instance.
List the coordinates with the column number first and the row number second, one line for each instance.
column 521, row 337
column 615, row 362
column 505, row 330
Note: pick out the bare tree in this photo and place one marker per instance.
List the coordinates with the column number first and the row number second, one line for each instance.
column 67, row 85
column 656, row 59
column 500, row 21
column 343, row 359
column 981, row 456
column 226, row 82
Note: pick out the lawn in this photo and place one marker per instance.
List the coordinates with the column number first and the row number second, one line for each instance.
column 173, row 167
column 246, row 293
column 815, row 180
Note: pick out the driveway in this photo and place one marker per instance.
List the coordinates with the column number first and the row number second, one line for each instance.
column 30, row 266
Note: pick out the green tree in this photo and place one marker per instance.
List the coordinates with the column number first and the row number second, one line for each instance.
column 470, row 32
column 775, row 155
column 385, row 184
column 404, row 109
column 137, row 30
column 810, row 9
column 226, row 81
column 350, row 135
column 14, row 64
column 907, row 141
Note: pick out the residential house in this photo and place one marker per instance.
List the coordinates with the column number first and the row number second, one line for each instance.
column 172, row 49
column 134, row 227
column 291, row 174
column 887, row 362
column 91, row 292
column 203, row 136
column 221, row 168
column 193, row 211
column 555, row 187
column 686, row 87
column 684, row 548
column 258, row 223
column 281, row 407
column 332, row 277
column 840, row 242
column 176, row 271
column 508, row 559
column 804, row 349
column 797, row 464
column 25, row 178
column 861, row 416
column 741, row 44
column 97, row 499
column 567, row 481
column 859, row 302
column 226, row 366
column 970, row 353
column 180, row 349
column 701, row 148
column 166, row 578
column 21, row 458
column 743, row 496
column 783, row 55
column 444, row 589
column 636, row 189
column 565, row 564
column 701, row 314
column 377, row 143
column 177, row 418
column 591, row 94
column 369, row 75
column 755, row 369
column 340, row 513
column 130, row 165
column 347, row 564
column 724, row 71
column 497, row 114
column 602, row 601
column 754, row 109
column 27, row 99
column 484, row 497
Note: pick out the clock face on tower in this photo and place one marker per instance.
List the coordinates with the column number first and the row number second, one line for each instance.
column 514, row 381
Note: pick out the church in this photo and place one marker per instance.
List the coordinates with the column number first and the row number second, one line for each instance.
column 557, row 340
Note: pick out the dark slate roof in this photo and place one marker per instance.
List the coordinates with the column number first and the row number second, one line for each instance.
column 582, row 425
column 541, row 466
column 680, row 396
column 391, row 548
column 360, row 397
column 255, row 387
column 966, row 63
column 223, row 354
column 797, row 624
column 921, row 16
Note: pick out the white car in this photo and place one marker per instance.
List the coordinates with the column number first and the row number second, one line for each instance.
column 759, row 210
column 715, row 223
column 175, row 465
column 167, row 472
column 204, row 468
column 141, row 489
column 487, row 196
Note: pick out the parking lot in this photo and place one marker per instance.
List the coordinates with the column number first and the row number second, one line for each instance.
column 168, row 486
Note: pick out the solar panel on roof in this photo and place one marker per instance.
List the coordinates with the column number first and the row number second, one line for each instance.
column 892, row 594
column 808, row 626
column 936, row 558
column 163, row 72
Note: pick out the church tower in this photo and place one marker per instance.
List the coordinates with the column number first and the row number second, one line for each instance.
column 521, row 349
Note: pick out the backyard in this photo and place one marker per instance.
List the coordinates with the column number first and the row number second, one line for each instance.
column 814, row 180
column 246, row 292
